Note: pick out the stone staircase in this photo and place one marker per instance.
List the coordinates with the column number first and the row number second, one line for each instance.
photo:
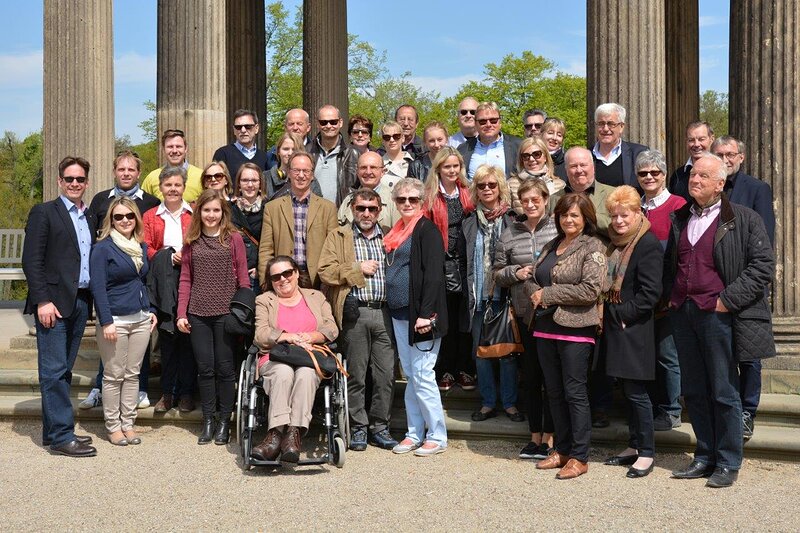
column 777, row 433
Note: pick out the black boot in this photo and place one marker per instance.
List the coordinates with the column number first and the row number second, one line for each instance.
column 222, row 435
column 208, row 430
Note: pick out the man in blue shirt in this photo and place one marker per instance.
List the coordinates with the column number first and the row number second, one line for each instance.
column 244, row 149
column 491, row 146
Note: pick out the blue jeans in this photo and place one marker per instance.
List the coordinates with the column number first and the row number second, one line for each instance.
column 485, row 368
column 423, row 401
column 750, row 385
column 710, row 383
column 57, row 350
column 668, row 370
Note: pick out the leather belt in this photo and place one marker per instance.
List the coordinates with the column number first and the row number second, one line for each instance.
column 371, row 305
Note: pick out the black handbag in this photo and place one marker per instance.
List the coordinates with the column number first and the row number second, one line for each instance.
column 452, row 274
column 499, row 333
column 319, row 357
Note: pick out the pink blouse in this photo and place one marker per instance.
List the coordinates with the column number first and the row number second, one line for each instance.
column 293, row 319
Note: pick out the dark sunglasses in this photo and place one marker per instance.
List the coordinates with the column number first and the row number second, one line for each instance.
column 248, row 127
column 645, row 173
column 219, row 176
column 488, row 185
column 370, row 208
column 394, row 137
column 70, row 179
column 332, row 122
column 493, row 120
column 413, row 200
column 535, row 125
column 285, row 274
column 532, row 155
column 173, row 133
column 119, row 216
column 465, row 112
column 360, row 132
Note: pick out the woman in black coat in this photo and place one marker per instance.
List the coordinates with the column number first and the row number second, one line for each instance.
column 247, row 214
column 635, row 262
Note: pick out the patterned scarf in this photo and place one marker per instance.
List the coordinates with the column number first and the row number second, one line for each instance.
column 619, row 254
column 247, row 207
column 130, row 247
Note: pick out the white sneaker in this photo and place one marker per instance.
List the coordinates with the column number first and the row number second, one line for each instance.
column 144, row 401
column 94, row 399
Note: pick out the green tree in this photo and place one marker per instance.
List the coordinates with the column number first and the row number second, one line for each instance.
column 149, row 126
column 284, row 38
column 714, row 110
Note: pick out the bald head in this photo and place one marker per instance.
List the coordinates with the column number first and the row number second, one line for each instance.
column 580, row 168
column 298, row 122
column 370, row 169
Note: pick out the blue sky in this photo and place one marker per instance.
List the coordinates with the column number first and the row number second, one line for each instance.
column 437, row 44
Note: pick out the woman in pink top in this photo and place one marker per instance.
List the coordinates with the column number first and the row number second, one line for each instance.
column 287, row 313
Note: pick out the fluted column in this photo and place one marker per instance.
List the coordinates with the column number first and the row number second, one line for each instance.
column 625, row 64
column 325, row 56
column 683, row 81
column 78, row 90
column 246, row 61
column 765, row 114
column 191, row 83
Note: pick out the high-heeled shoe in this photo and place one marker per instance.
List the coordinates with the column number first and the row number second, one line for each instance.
column 223, row 435
column 635, row 472
column 208, row 430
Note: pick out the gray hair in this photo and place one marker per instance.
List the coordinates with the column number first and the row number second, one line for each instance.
column 409, row 183
column 608, row 109
column 651, row 158
column 723, row 171
column 169, row 171
column 728, row 139
column 532, row 113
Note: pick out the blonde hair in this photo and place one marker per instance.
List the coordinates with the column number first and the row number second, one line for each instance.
column 432, row 181
column 624, row 196
column 484, row 172
column 124, row 201
column 224, row 167
column 539, row 143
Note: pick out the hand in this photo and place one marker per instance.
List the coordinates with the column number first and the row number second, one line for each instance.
column 183, row 325
column 47, row 314
column 110, row 332
column 369, row 267
column 176, row 258
column 536, row 299
column 720, row 308
column 153, row 322
column 524, row 273
column 422, row 325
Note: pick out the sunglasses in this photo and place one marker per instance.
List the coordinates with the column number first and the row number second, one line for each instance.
column 219, row 176
column 394, row 137
column 248, row 127
column 118, row 217
column 332, row 122
column 492, row 185
column 645, row 173
column 465, row 112
column 493, row 120
column 370, row 208
column 70, row 179
column 532, row 155
column 360, row 132
column 401, row 200
column 285, row 274
column 535, row 125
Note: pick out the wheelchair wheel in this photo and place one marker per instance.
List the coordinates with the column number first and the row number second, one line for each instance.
column 343, row 412
column 242, row 393
column 338, row 452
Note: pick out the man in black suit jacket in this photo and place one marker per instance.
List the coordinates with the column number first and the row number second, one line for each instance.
column 750, row 192
column 699, row 136
column 491, row 146
column 243, row 149
column 614, row 159
column 127, row 167
column 58, row 239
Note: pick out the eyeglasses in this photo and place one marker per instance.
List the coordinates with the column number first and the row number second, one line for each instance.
column 360, row 132
column 70, row 179
column 401, row 200
column 492, row 185
column 119, row 216
column 611, row 125
column 493, row 120
column 645, row 173
column 248, row 127
column 370, row 208
column 728, row 155
column 219, row 176
column 249, row 181
column 393, row 137
column 275, row 278
column 531, row 155
column 301, row 171
column 332, row 122
column 465, row 112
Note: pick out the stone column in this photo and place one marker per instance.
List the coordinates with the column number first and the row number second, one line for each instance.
column 764, row 113
column 683, row 80
column 78, row 90
column 246, row 61
column 191, row 85
column 625, row 64
column 325, row 56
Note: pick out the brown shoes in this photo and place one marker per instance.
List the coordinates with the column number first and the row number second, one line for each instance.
column 270, row 447
column 186, row 404
column 164, row 404
column 554, row 460
column 290, row 445
column 573, row 469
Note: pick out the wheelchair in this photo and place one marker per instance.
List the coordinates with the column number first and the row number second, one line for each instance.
column 330, row 406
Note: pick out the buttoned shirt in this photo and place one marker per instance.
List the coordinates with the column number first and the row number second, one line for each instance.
column 487, row 154
column 456, row 139
column 370, row 248
column 612, row 156
column 300, row 211
column 81, row 225
column 173, row 230
column 657, row 201
column 249, row 153
column 700, row 221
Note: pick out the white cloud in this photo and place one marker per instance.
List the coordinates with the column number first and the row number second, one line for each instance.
column 708, row 63
column 577, row 68
column 22, row 71
column 706, row 21
column 444, row 86
column 135, row 68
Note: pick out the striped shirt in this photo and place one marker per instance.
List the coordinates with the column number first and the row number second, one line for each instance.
column 371, row 248
column 300, row 211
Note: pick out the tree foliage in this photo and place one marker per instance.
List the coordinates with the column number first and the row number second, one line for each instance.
column 714, row 110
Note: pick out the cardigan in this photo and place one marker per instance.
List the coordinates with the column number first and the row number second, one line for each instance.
column 118, row 289
column 267, row 331
column 154, row 230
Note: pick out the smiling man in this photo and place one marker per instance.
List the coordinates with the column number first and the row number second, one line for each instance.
column 175, row 148
column 334, row 159
column 699, row 137
column 614, row 158
column 467, row 126
column 581, row 178
column 244, row 149
column 491, row 146
column 127, row 167
column 370, row 172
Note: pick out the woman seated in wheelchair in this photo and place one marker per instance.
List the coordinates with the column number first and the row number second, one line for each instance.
column 298, row 316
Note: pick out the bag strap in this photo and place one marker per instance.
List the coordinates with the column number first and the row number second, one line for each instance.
column 326, row 352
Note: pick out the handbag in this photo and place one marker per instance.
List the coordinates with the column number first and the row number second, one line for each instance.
column 499, row 333
column 320, row 357
column 452, row 274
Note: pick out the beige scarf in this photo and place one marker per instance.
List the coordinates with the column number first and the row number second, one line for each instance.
column 130, row 247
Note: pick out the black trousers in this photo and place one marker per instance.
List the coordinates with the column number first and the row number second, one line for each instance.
column 539, row 418
column 178, row 367
column 455, row 355
column 213, row 351
column 640, row 417
column 565, row 365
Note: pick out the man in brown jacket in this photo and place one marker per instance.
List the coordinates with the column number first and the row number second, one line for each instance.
column 297, row 224
column 352, row 266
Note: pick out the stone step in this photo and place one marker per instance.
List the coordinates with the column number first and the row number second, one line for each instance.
column 27, row 358
column 28, row 342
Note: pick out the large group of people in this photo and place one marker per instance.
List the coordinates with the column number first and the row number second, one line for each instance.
column 402, row 253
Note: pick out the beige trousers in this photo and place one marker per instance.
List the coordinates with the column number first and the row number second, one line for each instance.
column 291, row 393
column 122, row 361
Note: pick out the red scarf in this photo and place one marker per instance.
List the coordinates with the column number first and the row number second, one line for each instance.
column 439, row 212
column 399, row 233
